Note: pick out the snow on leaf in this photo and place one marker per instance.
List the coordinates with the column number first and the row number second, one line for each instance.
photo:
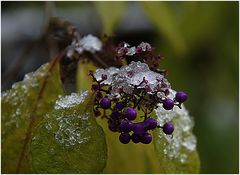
column 17, row 104
column 177, row 153
column 71, row 100
column 69, row 140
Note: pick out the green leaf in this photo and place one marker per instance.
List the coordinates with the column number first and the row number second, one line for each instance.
column 162, row 18
column 69, row 140
column 177, row 153
column 17, row 104
column 110, row 13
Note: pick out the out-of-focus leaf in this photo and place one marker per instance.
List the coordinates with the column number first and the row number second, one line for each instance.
column 17, row 104
column 69, row 140
column 84, row 81
column 110, row 13
column 177, row 153
column 162, row 18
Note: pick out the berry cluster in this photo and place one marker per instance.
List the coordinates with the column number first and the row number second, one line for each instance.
column 120, row 93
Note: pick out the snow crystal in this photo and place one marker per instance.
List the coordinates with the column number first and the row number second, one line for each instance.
column 182, row 138
column 110, row 72
column 70, row 128
column 129, row 76
column 131, row 51
column 88, row 43
column 144, row 46
column 19, row 93
column 190, row 142
column 71, row 100
column 70, row 131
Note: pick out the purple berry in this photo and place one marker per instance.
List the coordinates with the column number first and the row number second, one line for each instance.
column 120, row 105
column 138, row 50
column 168, row 128
column 113, row 125
column 99, row 95
column 130, row 113
column 105, row 103
column 150, row 123
column 146, row 138
column 97, row 113
column 181, row 96
column 168, row 104
column 138, row 128
column 95, row 87
column 125, row 138
column 104, row 76
column 136, row 138
column 125, row 126
column 115, row 115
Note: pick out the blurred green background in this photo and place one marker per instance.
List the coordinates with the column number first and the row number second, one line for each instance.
column 199, row 41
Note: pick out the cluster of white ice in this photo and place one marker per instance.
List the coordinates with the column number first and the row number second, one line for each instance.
column 88, row 43
column 183, row 140
column 71, row 131
column 143, row 46
column 18, row 94
column 130, row 76
column 71, row 128
column 71, row 100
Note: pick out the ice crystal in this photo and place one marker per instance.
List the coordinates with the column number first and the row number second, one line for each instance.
column 70, row 131
column 21, row 91
column 125, row 49
column 131, row 51
column 110, row 72
column 182, row 140
column 131, row 75
column 69, row 126
column 71, row 100
column 88, row 43
column 144, row 46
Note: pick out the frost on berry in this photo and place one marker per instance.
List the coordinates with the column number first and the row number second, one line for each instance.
column 110, row 72
column 139, row 86
column 182, row 141
column 132, row 75
column 135, row 87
